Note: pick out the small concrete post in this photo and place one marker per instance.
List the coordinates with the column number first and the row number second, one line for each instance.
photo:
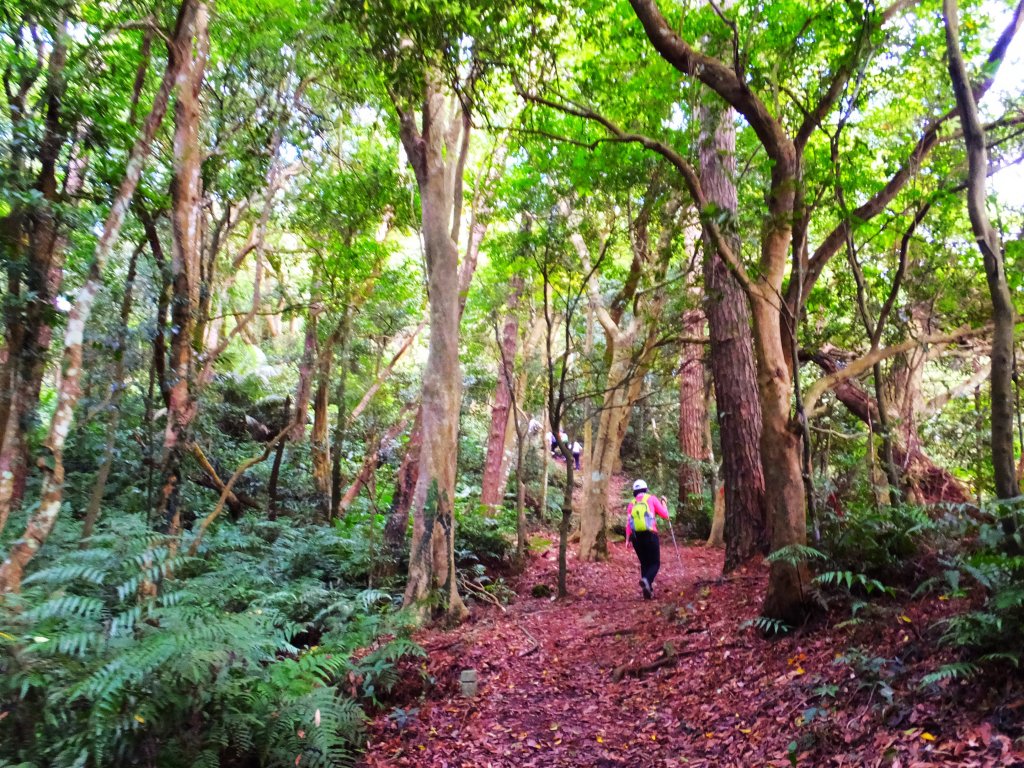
column 468, row 680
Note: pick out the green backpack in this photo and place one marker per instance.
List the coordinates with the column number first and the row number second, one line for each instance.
column 641, row 514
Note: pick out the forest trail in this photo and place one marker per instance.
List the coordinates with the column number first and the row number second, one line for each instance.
column 549, row 694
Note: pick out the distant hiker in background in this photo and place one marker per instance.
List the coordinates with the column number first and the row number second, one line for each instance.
column 553, row 442
column 642, row 533
column 577, row 449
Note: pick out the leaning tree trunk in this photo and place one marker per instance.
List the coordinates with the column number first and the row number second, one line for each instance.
column 692, row 419
column 991, row 247
column 492, row 490
column 51, row 494
column 732, row 355
column 432, row 553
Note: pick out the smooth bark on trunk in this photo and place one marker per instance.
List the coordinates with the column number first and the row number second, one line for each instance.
column 692, row 426
column 408, row 475
column 737, row 404
column 51, row 494
column 564, row 523
column 991, row 247
column 186, row 248
column 432, row 151
column 787, row 598
column 492, row 490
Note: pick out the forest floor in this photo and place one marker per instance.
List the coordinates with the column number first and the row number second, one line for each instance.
column 605, row 678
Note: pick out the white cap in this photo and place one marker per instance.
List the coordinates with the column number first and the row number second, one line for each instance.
column 639, row 485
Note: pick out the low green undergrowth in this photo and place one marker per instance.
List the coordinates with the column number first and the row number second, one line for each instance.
column 261, row 650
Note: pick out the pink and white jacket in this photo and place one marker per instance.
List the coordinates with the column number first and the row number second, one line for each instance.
column 656, row 505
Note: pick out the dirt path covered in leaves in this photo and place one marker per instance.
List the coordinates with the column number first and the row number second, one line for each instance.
column 560, row 682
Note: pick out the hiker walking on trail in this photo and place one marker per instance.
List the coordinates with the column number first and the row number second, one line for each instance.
column 642, row 533
column 577, row 449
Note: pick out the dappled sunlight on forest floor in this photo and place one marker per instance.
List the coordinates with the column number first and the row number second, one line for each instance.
column 606, row 678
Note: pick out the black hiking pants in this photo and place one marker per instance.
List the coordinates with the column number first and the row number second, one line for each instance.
column 648, row 549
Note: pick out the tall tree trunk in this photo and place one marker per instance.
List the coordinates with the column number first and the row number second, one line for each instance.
column 787, row 597
column 305, row 385
column 342, row 419
column 435, row 160
column 693, row 418
column 186, row 247
column 732, row 354
column 191, row 13
column 991, row 247
column 492, row 489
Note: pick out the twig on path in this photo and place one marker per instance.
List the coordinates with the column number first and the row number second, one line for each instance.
column 533, row 639
column 444, row 646
column 478, row 592
column 612, row 632
column 669, row 656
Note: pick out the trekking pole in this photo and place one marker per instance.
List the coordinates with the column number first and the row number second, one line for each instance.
column 679, row 559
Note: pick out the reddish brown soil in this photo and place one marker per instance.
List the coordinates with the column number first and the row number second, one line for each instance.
column 548, row 694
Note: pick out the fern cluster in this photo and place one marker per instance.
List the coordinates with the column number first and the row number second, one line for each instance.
column 244, row 655
column 990, row 633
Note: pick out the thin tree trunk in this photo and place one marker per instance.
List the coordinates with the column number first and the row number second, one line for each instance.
column 364, row 477
column 117, row 389
column 341, row 419
column 191, row 13
column 563, row 525
column 692, row 426
column 305, row 385
column 492, row 490
column 275, row 470
column 319, row 439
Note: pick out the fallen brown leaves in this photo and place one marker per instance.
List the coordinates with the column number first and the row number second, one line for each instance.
column 708, row 692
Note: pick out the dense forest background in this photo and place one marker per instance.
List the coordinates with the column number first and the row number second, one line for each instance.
column 295, row 292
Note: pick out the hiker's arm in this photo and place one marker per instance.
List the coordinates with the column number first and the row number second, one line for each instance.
column 660, row 508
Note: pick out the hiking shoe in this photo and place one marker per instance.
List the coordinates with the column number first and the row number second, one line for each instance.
column 645, row 585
